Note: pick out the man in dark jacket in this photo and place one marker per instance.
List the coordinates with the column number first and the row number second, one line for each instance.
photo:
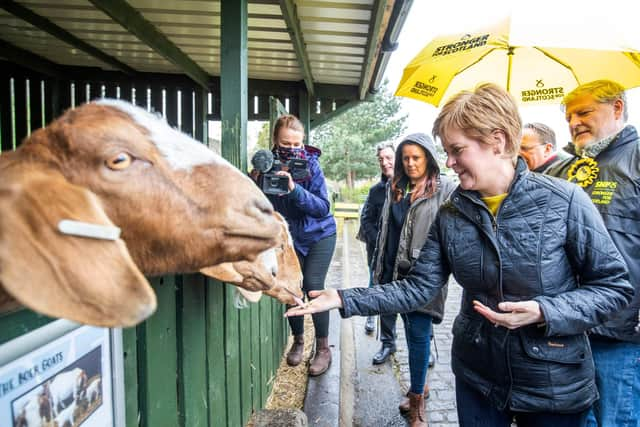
column 370, row 217
column 538, row 147
column 606, row 163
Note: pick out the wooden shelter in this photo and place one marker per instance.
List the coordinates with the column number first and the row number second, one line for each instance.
column 198, row 361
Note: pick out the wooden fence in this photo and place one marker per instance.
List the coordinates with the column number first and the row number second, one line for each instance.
column 198, row 361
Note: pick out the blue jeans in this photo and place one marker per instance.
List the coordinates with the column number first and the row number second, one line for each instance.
column 618, row 380
column 475, row 410
column 417, row 328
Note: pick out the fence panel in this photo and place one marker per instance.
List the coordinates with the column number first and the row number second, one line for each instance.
column 198, row 361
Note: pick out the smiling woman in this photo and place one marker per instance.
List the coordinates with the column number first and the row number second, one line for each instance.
column 520, row 318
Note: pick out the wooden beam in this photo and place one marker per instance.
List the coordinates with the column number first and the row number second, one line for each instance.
column 127, row 16
column 304, row 112
column 49, row 27
column 398, row 16
column 379, row 12
column 290, row 15
column 30, row 60
column 321, row 119
column 234, row 81
column 337, row 91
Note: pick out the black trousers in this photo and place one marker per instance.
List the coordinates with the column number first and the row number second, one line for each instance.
column 314, row 270
column 388, row 329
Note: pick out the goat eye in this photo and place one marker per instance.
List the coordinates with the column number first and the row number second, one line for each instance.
column 119, row 162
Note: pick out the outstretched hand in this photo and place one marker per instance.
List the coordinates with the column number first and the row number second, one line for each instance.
column 322, row 301
column 515, row 314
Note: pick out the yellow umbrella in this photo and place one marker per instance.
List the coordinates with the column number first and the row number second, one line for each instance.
column 532, row 74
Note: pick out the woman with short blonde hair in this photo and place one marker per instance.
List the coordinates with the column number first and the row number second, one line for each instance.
column 537, row 266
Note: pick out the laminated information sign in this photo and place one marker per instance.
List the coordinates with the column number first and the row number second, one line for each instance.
column 61, row 375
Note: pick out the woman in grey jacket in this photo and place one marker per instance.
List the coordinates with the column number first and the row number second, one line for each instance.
column 537, row 266
column 413, row 198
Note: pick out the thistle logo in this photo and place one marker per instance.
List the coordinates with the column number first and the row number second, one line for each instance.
column 540, row 93
column 466, row 42
column 583, row 172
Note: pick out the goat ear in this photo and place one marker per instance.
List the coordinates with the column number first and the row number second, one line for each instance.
column 87, row 280
column 251, row 276
column 223, row 272
column 250, row 296
column 228, row 272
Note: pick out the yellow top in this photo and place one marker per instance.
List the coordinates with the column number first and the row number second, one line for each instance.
column 494, row 202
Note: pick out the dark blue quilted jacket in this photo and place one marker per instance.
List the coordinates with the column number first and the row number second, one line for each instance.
column 548, row 243
column 615, row 191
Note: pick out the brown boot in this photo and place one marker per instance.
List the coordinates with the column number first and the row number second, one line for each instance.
column 417, row 415
column 405, row 406
column 321, row 358
column 294, row 357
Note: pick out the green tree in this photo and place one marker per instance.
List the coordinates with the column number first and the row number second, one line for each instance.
column 264, row 139
column 348, row 141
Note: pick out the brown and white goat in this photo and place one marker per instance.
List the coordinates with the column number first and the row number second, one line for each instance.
column 281, row 279
column 179, row 206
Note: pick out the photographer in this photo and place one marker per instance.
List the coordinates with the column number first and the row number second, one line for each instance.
column 295, row 185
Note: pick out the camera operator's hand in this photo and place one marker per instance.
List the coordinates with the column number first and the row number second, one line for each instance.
column 254, row 174
column 292, row 184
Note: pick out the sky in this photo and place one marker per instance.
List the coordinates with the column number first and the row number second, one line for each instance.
column 428, row 19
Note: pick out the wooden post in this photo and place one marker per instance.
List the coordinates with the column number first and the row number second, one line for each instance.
column 234, row 81
column 305, row 112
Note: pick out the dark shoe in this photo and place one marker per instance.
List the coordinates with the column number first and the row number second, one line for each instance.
column 370, row 325
column 294, row 357
column 432, row 360
column 417, row 415
column 383, row 355
column 405, row 405
column 321, row 359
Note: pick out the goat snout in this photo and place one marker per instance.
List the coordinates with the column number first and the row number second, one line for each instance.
column 260, row 207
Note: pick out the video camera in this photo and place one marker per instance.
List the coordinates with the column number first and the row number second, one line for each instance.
column 265, row 162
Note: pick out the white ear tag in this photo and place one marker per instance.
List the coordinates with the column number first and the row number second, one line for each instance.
column 85, row 229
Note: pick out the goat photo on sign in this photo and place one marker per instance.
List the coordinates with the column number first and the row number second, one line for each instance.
column 65, row 399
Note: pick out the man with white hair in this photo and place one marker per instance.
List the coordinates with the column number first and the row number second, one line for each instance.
column 606, row 163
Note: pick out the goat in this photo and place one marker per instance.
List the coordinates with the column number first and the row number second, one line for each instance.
column 283, row 281
column 94, row 390
column 69, row 386
column 179, row 206
column 35, row 411
column 66, row 417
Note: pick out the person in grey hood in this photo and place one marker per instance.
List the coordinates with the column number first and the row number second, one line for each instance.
column 536, row 264
column 413, row 197
column 605, row 162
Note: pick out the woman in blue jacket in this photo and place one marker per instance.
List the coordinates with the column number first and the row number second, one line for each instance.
column 306, row 208
column 537, row 266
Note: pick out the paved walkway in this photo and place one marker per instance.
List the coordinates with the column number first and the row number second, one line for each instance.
column 368, row 395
